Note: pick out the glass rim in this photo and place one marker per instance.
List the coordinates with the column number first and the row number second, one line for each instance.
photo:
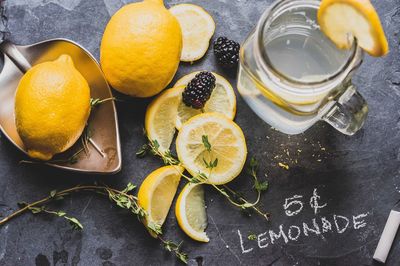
column 267, row 65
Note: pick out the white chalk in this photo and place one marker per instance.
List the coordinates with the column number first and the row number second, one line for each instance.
column 387, row 237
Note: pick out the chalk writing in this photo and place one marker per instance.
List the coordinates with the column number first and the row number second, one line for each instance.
column 326, row 225
column 314, row 202
column 314, row 230
column 260, row 239
column 242, row 245
column 290, row 232
column 340, row 226
column 317, row 226
column 289, row 202
column 274, row 236
column 359, row 223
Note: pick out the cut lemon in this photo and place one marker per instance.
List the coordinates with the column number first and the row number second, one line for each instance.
column 191, row 213
column 197, row 29
column 227, row 145
column 222, row 100
column 156, row 194
column 342, row 20
column 161, row 117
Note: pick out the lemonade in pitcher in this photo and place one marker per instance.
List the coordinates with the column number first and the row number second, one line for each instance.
column 292, row 75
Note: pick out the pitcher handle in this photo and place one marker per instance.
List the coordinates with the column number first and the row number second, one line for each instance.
column 348, row 113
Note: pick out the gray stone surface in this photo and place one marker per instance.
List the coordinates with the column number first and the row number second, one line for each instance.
column 353, row 175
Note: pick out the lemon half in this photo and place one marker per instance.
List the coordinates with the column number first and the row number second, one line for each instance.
column 191, row 213
column 157, row 193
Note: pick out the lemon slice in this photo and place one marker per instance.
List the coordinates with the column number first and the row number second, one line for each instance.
column 161, row 116
column 197, row 29
column 222, row 100
column 157, row 192
column 228, row 145
column 342, row 20
column 191, row 213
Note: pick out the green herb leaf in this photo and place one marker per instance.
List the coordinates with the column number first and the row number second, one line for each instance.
column 36, row 210
column 246, row 205
column 253, row 163
column 206, row 143
column 155, row 228
column 53, row 193
column 261, row 186
column 176, row 248
column 142, row 152
column 155, row 144
column 61, row 213
column 252, row 237
column 215, row 163
column 129, row 187
column 94, row 102
column 74, row 223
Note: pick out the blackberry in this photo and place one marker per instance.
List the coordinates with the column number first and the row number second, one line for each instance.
column 199, row 90
column 227, row 52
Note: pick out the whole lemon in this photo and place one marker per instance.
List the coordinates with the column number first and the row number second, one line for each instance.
column 141, row 48
column 52, row 105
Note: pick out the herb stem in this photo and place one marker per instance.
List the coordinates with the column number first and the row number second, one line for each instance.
column 168, row 159
column 61, row 193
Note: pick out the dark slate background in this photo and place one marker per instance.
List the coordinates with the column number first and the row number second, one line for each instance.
column 353, row 175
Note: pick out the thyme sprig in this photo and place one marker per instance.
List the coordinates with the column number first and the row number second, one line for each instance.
column 176, row 249
column 231, row 195
column 122, row 198
column 75, row 224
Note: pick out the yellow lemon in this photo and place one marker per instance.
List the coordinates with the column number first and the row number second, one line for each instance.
column 141, row 48
column 191, row 213
column 342, row 20
column 52, row 105
column 157, row 193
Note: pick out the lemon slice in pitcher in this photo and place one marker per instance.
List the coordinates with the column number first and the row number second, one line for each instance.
column 222, row 100
column 342, row 20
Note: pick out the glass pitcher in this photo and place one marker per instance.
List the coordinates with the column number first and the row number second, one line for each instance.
column 293, row 76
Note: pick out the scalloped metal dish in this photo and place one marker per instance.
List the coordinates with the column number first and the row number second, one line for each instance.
column 104, row 153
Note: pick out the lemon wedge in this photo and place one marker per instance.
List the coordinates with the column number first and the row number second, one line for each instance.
column 191, row 213
column 342, row 20
column 227, row 142
column 157, row 193
column 161, row 116
column 197, row 29
column 222, row 100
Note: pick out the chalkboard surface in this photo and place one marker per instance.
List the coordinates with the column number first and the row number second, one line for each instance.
column 328, row 208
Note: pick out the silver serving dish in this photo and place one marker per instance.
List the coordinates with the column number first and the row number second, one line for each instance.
column 103, row 155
